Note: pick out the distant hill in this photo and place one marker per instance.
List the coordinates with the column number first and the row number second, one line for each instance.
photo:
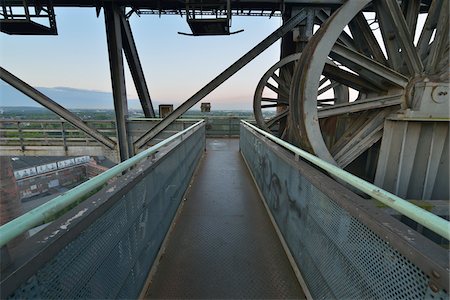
column 68, row 97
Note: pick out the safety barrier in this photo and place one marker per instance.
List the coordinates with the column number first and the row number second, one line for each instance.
column 343, row 245
column 105, row 246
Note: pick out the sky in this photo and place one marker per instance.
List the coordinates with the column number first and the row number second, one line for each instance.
column 175, row 66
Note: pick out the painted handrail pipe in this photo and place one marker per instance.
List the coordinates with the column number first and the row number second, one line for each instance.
column 429, row 220
column 36, row 216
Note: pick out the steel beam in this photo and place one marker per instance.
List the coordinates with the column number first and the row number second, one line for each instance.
column 395, row 60
column 54, row 107
column 440, row 41
column 360, row 105
column 114, row 39
column 239, row 64
column 429, row 26
column 366, row 67
column 173, row 4
column 365, row 38
column 404, row 36
column 134, row 63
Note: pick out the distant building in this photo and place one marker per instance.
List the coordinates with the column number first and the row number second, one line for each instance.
column 205, row 107
column 41, row 175
column 165, row 110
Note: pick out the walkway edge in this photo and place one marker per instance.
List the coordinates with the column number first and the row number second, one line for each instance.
column 162, row 249
column 291, row 259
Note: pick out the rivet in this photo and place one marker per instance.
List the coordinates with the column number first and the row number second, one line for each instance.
column 435, row 274
column 434, row 287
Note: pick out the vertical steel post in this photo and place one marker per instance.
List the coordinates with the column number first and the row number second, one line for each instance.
column 63, row 135
column 114, row 40
column 19, row 129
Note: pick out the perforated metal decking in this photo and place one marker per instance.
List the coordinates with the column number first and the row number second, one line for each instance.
column 223, row 244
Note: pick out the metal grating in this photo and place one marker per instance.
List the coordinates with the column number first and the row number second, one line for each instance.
column 112, row 257
column 223, row 245
column 338, row 256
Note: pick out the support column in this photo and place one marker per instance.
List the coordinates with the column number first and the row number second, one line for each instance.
column 114, row 39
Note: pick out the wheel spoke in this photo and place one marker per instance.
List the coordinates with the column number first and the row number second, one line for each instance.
column 409, row 52
column 368, row 43
column 328, row 87
column 361, row 140
column 322, row 81
column 362, row 145
column 320, row 101
column 349, row 79
column 411, row 11
column 351, row 130
column 277, row 118
column 279, row 100
column 362, row 105
column 272, row 105
column 429, row 26
column 395, row 60
column 366, row 67
column 281, row 83
column 344, row 38
column 280, row 92
column 440, row 42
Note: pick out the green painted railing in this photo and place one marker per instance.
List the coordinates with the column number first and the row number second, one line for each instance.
column 36, row 216
column 421, row 216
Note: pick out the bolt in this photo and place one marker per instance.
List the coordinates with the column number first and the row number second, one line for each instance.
column 442, row 93
column 435, row 274
column 434, row 287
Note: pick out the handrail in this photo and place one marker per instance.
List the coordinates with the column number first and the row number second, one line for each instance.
column 36, row 216
column 421, row 216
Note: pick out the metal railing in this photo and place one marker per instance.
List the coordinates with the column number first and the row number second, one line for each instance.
column 420, row 215
column 36, row 216
column 341, row 244
column 50, row 132
column 25, row 133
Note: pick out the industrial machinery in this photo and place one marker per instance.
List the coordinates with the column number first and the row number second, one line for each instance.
column 369, row 92
column 363, row 85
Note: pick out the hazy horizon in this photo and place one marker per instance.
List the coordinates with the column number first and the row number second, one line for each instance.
column 75, row 98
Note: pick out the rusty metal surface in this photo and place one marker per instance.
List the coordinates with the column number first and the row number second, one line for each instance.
column 223, row 244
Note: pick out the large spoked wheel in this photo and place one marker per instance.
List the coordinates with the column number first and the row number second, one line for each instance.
column 382, row 82
column 271, row 99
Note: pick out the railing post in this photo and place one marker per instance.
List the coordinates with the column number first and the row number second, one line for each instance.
column 63, row 135
column 19, row 128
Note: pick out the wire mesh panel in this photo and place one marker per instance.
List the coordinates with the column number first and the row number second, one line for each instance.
column 337, row 254
column 112, row 257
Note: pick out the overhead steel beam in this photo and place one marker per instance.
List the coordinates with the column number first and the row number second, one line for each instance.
column 54, row 107
column 239, row 64
column 134, row 63
column 114, row 39
column 173, row 4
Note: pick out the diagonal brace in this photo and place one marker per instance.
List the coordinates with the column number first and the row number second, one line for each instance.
column 54, row 107
column 222, row 77
column 130, row 50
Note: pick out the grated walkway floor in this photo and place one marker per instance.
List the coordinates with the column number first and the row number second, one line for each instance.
column 223, row 244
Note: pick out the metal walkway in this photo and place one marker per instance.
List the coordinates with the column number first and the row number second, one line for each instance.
column 223, row 244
